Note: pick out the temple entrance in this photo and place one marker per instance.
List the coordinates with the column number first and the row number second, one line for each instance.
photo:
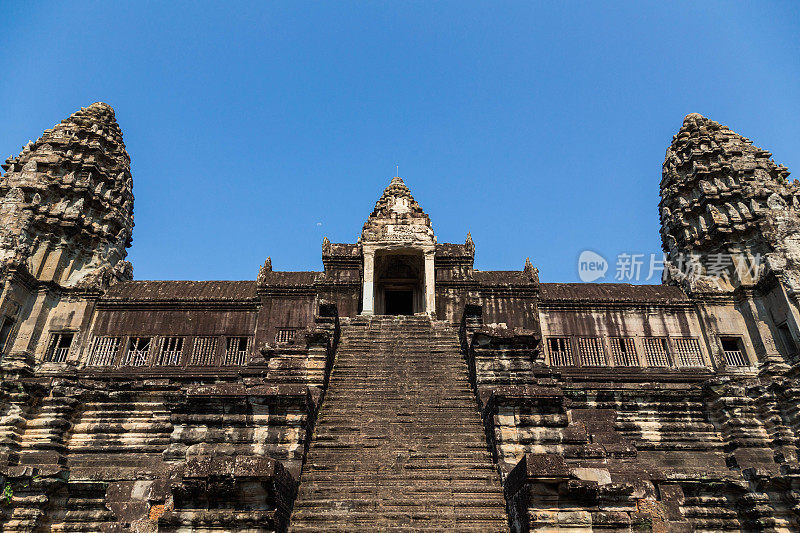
column 399, row 302
column 399, row 283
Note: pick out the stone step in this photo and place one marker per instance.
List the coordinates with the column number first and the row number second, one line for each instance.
column 421, row 505
column 342, row 451
column 397, row 520
column 486, row 510
column 473, row 457
column 378, row 404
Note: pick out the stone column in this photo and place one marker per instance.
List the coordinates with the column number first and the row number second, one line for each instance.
column 760, row 332
column 368, row 289
column 21, row 353
column 53, row 264
column 430, row 283
column 37, row 259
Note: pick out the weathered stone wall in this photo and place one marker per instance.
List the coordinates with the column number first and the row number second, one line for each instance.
column 146, row 449
column 632, row 449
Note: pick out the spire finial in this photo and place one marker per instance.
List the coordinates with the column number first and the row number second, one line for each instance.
column 531, row 271
column 263, row 272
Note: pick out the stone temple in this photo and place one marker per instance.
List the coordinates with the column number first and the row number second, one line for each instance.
column 399, row 388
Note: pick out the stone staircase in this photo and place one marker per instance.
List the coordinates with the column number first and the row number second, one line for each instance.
column 399, row 444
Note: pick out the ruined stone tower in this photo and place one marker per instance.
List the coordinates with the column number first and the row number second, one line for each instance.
column 722, row 195
column 400, row 388
column 66, row 216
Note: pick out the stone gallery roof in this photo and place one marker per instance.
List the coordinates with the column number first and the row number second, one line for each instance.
column 205, row 290
column 340, row 249
column 182, row 290
column 290, row 279
column 625, row 292
column 447, row 249
column 501, row 277
column 244, row 290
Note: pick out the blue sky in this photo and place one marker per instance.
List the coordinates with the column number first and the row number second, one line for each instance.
column 257, row 129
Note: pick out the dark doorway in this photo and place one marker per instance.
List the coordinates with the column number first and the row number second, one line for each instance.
column 399, row 302
column 398, row 283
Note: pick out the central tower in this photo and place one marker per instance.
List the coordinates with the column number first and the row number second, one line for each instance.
column 398, row 246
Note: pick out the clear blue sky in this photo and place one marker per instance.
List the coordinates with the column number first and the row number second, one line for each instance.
column 257, row 129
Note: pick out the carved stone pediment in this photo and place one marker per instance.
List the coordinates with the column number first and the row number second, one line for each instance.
column 411, row 233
